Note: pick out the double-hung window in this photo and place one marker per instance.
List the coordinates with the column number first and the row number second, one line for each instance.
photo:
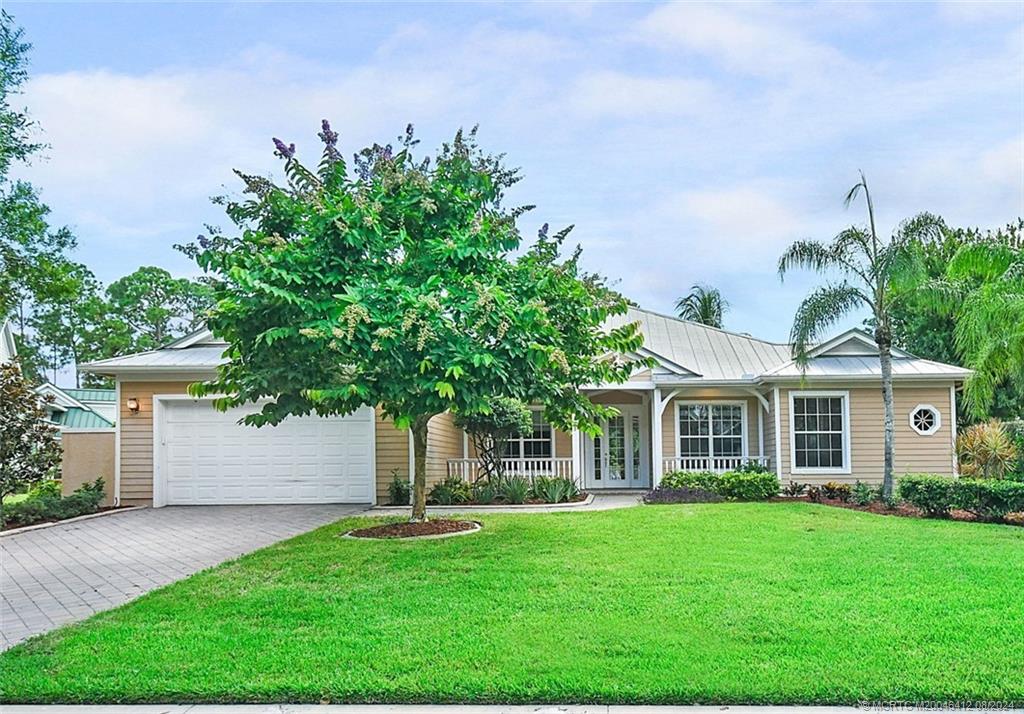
column 536, row 444
column 820, row 432
column 710, row 430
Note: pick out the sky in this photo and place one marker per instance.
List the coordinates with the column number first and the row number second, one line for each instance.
column 686, row 142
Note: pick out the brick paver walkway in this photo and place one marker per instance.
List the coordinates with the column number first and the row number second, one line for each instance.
column 52, row 576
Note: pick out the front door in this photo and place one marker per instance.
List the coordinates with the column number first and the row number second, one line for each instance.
column 619, row 457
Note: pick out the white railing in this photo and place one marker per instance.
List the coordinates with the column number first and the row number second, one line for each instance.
column 471, row 469
column 718, row 464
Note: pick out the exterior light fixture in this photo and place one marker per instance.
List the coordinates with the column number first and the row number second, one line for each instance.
column 133, row 405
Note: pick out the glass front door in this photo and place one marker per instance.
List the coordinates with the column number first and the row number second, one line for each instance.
column 618, row 458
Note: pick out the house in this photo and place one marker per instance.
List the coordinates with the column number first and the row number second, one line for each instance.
column 85, row 423
column 713, row 400
column 79, row 408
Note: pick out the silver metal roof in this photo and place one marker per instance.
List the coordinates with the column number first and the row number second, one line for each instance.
column 866, row 366
column 687, row 352
column 198, row 358
column 713, row 354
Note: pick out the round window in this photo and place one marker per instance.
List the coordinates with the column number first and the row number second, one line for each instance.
column 925, row 419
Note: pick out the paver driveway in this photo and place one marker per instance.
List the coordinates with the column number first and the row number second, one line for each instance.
column 52, row 576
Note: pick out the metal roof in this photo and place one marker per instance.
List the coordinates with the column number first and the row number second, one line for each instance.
column 708, row 352
column 200, row 357
column 92, row 394
column 685, row 351
column 76, row 418
column 866, row 366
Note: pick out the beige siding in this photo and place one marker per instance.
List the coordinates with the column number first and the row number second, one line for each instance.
column 670, row 430
column 563, row 444
column 137, row 439
column 392, row 455
column 913, row 452
column 444, row 441
column 87, row 456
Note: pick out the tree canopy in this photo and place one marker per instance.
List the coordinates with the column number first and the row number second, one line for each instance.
column 29, row 450
column 393, row 282
column 704, row 304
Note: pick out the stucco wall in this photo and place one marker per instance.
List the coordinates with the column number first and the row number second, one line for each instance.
column 88, row 455
column 913, row 452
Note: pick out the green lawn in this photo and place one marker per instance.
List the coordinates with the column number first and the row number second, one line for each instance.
column 699, row 603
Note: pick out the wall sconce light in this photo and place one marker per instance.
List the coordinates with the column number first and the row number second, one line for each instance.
column 133, row 405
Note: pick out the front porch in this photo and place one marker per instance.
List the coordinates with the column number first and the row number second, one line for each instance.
column 657, row 430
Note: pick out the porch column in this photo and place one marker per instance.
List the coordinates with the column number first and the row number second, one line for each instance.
column 656, row 455
column 577, row 456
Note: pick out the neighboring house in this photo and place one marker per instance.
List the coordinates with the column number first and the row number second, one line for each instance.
column 8, row 349
column 714, row 400
column 79, row 408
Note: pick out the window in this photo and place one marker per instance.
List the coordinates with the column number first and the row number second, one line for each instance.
column 535, row 445
column 711, row 430
column 925, row 419
column 820, row 431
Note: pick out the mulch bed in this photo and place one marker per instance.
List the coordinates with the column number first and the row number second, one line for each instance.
column 409, row 529
column 903, row 509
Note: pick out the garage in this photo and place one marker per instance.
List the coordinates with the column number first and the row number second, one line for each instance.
column 205, row 457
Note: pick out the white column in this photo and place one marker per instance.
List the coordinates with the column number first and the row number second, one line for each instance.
column 577, row 456
column 656, row 455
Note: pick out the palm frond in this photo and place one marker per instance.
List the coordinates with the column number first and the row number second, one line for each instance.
column 820, row 310
column 704, row 304
column 809, row 254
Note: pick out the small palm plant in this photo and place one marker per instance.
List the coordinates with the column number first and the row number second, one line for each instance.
column 985, row 450
column 704, row 304
column 871, row 269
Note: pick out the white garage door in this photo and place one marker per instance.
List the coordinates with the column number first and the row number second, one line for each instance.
column 206, row 457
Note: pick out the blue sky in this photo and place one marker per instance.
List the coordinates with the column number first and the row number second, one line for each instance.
column 687, row 142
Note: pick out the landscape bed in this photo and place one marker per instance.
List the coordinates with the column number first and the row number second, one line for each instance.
column 710, row 603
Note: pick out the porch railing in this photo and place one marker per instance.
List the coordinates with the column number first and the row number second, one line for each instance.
column 718, row 464
column 471, row 469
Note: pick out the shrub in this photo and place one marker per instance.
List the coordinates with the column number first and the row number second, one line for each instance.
column 748, row 486
column 985, row 450
column 50, row 487
column 681, row 495
column 814, row 493
column 44, row 505
column 754, row 467
column 836, row 490
column 485, row 492
column 732, row 485
column 988, row 499
column 554, row 489
column 794, row 489
column 451, row 492
column 862, row 494
column 399, row 491
column 515, row 490
column 705, row 480
column 932, row 494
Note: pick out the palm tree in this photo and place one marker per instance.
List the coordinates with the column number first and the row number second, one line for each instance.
column 983, row 291
column 870, row 269
column 704, row 304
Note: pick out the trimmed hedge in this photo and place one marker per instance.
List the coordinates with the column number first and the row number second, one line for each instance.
column 932, row 494
column 988, row 499
column 731, row 485
column 45, row 505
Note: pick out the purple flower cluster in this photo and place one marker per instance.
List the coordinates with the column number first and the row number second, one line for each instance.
column 285, row 152
column 203, row 241
column 330, row 138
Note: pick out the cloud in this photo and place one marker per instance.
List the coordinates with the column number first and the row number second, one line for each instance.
column 616, row 94
column 747, row 38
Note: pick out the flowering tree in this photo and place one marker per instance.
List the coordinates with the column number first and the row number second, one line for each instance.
column 393, row 284
column 29, row 450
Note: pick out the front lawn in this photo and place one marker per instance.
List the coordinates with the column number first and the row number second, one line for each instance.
column 724, row 602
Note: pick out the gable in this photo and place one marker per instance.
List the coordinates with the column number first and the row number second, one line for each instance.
column 852, row 343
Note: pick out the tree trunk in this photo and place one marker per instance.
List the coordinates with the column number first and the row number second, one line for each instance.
column 884, row 341
column 419, row 481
